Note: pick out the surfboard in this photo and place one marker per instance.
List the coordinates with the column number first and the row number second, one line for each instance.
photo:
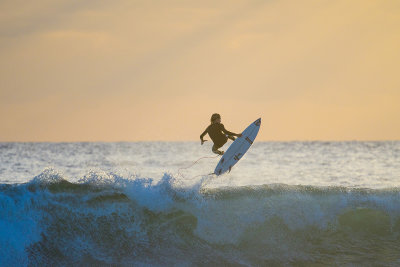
column 238, row 148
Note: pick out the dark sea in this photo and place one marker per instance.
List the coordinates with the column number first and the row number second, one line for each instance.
column 148, row 204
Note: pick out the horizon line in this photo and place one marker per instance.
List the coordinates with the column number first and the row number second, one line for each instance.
column 187, row 141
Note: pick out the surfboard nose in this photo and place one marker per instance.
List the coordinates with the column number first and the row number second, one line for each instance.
column 258, row 122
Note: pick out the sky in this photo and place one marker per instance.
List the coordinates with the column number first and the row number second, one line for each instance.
column 157, row 70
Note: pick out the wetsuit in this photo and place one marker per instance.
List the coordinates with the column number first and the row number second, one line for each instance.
column 218, row 134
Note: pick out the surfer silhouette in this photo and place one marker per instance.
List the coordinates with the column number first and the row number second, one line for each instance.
column 218, row 134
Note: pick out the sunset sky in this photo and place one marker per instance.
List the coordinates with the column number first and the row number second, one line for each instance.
column 156, row 70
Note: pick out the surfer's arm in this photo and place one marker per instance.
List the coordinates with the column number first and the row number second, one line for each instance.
column 230, row 133
column 202, row 135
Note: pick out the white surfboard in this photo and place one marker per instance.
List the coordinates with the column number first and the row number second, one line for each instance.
column 238, row 148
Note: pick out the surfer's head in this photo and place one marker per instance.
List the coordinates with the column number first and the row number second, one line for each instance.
column 215, row 117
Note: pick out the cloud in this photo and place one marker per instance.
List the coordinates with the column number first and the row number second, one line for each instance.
column 186, row 59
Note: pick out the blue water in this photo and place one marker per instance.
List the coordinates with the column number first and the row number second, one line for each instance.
column 284, row 203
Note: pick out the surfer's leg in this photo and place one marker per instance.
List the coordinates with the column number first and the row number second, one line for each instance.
column 216, row 151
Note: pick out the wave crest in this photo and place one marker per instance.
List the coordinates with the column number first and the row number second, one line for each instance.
column 108, row 219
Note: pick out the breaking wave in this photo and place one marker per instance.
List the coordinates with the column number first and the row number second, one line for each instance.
column 105, row 219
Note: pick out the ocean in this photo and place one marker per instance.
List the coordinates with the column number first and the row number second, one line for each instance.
column 156, row 204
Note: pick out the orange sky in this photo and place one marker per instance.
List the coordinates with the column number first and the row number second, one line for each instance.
column 156, row 70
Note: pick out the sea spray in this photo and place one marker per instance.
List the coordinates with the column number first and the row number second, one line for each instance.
column 107, row 219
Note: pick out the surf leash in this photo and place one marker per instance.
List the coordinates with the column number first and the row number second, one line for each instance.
column 194, row 163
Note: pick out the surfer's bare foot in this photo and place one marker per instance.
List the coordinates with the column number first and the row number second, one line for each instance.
column 218, row 152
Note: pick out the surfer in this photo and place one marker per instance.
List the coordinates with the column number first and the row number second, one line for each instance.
column 218, row 134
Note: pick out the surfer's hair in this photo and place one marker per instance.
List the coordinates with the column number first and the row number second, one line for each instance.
column 214, row 117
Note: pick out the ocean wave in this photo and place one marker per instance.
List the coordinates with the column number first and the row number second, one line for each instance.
column 107, row 219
